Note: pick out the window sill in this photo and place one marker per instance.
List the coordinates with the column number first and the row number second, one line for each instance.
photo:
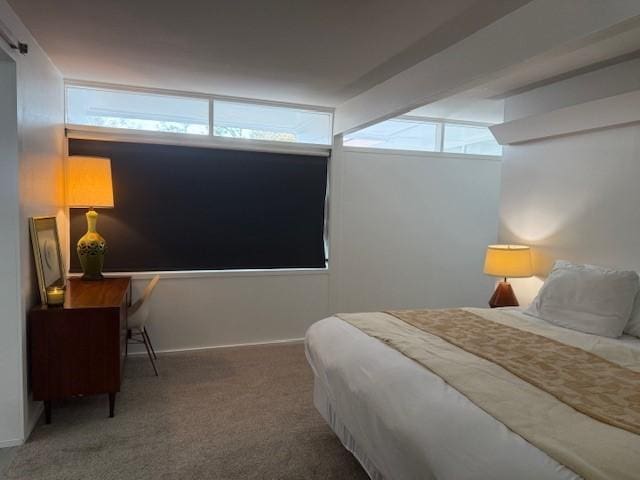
column 216, row 273
column 88, row 132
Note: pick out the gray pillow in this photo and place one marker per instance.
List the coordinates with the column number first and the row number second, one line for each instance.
column 586, row 298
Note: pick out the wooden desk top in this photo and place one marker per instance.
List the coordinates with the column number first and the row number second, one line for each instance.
column 106, row 293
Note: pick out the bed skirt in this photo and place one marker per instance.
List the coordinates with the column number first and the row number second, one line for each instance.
column 328, row 412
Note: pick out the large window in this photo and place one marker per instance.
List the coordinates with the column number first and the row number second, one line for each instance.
column 427, row 135
column 188, row 208
column 203, row 182
column 230, row 119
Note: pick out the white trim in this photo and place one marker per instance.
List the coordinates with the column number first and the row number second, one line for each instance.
column 189, row 94
column 210, row 140
column 85, row 132
column 16, row 442
column 444, row 120
column 422, row 153
column 281, row 272
column 215, row 347
column 597, row 114
column 210, row 117
column 12, row 276
column 440, row 132
column 33, row 421
column 70, row 82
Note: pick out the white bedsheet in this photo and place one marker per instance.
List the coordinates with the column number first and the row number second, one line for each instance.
column 409, row 423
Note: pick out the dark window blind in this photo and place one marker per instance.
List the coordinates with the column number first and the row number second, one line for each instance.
column 188, row 208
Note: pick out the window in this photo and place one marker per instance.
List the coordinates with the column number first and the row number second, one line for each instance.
column 399, row 134
column 157, row 112
column 470, row 139
column 137, row 111
column 193, row 208
column 273, row 123
column 429, row 135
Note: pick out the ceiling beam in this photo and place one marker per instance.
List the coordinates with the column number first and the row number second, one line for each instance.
column 540, row 28
column 606, row 112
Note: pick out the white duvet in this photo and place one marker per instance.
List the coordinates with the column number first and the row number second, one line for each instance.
column 404, row 422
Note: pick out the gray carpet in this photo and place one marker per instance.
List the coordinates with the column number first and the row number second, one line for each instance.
column 233, row 413
column 6, row 457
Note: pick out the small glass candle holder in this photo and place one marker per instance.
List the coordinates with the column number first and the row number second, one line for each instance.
column 55, row 296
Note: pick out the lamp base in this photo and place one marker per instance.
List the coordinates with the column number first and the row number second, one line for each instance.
column 91, row 248
column 503, row 296
column 92, row 276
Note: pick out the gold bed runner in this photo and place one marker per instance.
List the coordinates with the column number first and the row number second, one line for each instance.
column 589, row 383
column 598, row 381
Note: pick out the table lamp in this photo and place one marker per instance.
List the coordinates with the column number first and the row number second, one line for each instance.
column 507, row 261
column 88, row 185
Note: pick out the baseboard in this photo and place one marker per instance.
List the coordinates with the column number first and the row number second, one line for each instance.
column 11, row 443
column 194, row 349
column 34, row 418
column 28, row 429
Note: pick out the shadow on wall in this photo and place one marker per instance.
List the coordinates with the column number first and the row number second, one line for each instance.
column 549, row 232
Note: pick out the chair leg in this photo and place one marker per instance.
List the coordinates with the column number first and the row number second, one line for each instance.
column 146, row 345
column 146, row 334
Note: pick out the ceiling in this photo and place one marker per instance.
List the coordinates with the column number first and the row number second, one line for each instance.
column 302, row 51
column 486, row 103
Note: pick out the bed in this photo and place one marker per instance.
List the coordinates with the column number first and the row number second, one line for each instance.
column 403, row 421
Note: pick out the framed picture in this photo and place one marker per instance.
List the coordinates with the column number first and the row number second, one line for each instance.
column 46, row 253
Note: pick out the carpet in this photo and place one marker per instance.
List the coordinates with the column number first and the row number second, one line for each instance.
column 230, row 413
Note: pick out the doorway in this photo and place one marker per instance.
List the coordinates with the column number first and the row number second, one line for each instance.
column 11, row 324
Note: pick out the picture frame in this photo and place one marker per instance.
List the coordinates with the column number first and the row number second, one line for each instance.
column 46, row 253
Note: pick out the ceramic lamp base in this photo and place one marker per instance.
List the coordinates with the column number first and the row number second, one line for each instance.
column 92, row 276
column 91, row 248
column 503, row 296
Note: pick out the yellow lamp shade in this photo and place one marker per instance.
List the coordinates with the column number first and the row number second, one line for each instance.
column 88, row 182
column 508, row 261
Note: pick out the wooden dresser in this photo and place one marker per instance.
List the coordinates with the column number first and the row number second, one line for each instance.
column 79, row 348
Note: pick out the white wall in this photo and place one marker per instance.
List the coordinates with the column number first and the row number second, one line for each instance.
column 35, row 186
column 574, row 197
column 410, row 230
column 234, row 308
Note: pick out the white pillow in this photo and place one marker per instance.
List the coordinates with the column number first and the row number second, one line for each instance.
column 586, row 298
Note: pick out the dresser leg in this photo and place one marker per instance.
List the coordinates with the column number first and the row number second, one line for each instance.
column 47, row 411
column 112, row 404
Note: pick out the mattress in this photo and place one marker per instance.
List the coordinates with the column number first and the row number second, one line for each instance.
column 403, row 422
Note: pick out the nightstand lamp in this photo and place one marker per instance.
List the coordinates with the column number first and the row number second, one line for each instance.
column 507, row 261
column 88, row 184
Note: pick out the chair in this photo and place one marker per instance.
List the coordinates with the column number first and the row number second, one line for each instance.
column 138, row 314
